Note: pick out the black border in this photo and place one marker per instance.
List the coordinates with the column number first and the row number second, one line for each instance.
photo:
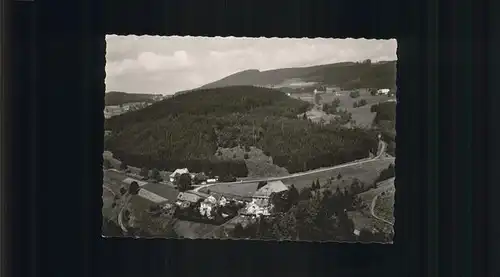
column 58, row 103
column 4, row 136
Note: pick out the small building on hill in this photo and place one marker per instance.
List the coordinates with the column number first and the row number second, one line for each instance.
column 177, row 173
column 261, row 201
column 266, row 191
column 383, row 91
column 320, row 91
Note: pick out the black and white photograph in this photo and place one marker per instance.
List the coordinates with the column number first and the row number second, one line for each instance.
column 282, row 139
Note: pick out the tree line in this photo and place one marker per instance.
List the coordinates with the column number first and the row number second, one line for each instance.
column 211, row 167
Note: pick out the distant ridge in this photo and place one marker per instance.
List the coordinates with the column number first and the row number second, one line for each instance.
column 118, row 98
column 346, row 75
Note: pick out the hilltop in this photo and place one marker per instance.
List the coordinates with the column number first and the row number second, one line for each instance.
column 347, row 75
column 189, row 129
column 118, row 98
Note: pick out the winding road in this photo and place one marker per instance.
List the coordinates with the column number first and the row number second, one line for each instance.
column 109, row 189
column 374, row 202
column 380, row 156
column 120, row 214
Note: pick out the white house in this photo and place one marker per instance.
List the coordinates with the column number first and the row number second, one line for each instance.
column 178, row 172
column 261, row 197
column 383, row 91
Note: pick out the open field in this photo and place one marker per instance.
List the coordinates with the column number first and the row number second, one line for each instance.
column 346, row 102
column 362, row 116
column 114, row 180
column 162, row 190
column 139, row 204
column 366, row 173
column 244, row 189
column 258, row 164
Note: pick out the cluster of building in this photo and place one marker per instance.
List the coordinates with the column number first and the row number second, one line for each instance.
column 178, row 172
column 114, row 110
column 209, row 205
column 206, row 205
column 261, row 203
column 383, row 91
column 327, row 89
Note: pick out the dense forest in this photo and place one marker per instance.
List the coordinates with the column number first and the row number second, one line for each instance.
column 385, row 122
column 119, row 98
column 386, row 111
column 187, row 130
column 348, row 75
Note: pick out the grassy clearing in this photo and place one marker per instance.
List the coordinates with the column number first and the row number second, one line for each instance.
column 231, row 190
column 140, row 205
column 346, row 102
column 162, row 190
column 362, row 116
column 258, row 164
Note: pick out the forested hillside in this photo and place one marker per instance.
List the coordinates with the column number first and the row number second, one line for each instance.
column 187, row 129
column 345, row 75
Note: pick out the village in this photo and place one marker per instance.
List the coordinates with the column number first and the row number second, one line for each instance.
column 115, row 110
column 187, row 196
column 254, row 152
column 200, row 198
column 208, row 207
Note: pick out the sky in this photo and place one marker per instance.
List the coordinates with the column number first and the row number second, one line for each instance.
column 165, row 65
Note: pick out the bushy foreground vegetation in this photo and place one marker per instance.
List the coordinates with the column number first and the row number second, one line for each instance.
column 314, row 215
